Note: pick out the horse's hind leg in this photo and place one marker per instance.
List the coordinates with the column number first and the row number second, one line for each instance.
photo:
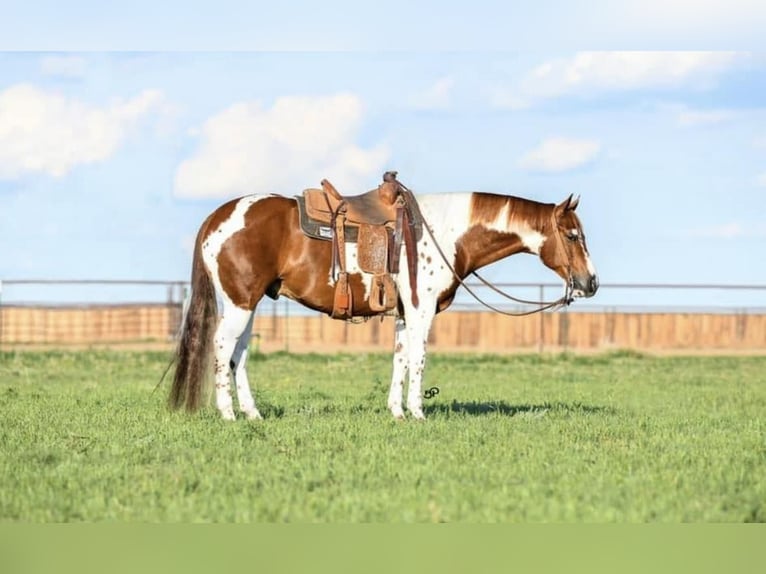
column 231, row 328
column 239, row 366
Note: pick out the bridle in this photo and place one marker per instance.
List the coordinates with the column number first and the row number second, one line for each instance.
column 562, row 301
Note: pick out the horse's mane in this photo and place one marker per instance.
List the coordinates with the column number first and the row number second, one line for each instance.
column 485, row 208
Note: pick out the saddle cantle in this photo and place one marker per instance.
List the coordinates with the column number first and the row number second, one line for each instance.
column 378, row 221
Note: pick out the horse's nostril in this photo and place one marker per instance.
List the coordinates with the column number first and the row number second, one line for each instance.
column 593, row 284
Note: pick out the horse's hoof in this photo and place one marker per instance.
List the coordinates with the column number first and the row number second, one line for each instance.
column 253, row 415
column 228, row 415
column 418, row 415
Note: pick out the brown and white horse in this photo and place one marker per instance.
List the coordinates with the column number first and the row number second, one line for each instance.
column 253, row 246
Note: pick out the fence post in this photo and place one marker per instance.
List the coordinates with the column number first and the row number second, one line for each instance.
column 564, row 329
column 171, row 318
column 741, row 324
column 287, row 322
column 542, row 321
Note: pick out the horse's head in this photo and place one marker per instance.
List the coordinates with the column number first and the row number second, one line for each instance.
column 564, row 250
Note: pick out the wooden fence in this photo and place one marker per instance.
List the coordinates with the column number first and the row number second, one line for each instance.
column 453, row 330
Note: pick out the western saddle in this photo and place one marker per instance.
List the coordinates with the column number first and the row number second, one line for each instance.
column 378, row 222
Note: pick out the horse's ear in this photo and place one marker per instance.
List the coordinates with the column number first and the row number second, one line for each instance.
column 569, row 204
column 573, row 203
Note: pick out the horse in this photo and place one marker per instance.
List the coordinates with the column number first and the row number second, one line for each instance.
column 253, row 246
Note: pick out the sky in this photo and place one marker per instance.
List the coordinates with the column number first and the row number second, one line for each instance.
column 111, row 157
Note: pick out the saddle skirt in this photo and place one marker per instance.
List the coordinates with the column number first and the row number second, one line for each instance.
column 378, row 221
column 375, row 242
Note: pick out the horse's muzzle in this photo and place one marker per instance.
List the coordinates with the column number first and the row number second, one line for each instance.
column 584, row 286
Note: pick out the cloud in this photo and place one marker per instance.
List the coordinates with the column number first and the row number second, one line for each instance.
column 560, row 154
column 436, row 97
column 713, row 23
column 761, row 180
column 691, row 118
column 594, row 73
column 247, row 148
column 43, row 132
column 69, row 67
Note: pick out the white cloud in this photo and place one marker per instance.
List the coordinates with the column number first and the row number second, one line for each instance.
column 247, row 148
column 691, row 118
column 589, row 73
column 71, row 67
column 761, row 180
column 560, row 154
column 712, row 23
column 43, row 132
column 436, row 97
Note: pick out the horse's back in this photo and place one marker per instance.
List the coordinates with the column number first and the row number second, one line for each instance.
column 242, row 213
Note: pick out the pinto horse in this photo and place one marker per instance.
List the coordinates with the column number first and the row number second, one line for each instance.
column 253, row 246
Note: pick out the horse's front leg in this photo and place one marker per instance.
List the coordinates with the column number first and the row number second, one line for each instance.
column 418, row 327
column 399, row 371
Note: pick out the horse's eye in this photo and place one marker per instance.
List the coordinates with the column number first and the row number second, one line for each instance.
column 572, row 236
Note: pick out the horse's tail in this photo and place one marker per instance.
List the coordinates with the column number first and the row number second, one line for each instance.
column 193, row 353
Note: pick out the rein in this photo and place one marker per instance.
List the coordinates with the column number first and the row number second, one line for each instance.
column 562, row 301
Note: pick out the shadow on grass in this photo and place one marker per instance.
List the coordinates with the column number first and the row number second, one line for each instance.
column 472, row 408
column 475, row 408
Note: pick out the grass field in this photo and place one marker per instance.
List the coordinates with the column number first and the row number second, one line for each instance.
column 614, row 437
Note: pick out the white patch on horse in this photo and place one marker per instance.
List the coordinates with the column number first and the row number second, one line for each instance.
column 447, row 215
column 532, row 240
column 352, row 266
column 233, row 330
column 212, row 245
column 500, row 223
column 591, row 268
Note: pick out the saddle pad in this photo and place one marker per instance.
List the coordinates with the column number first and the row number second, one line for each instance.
column 372, row 249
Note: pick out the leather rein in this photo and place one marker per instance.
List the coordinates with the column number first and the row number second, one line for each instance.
column 562, row 301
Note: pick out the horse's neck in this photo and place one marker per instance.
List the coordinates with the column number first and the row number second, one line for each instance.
column 490, row 227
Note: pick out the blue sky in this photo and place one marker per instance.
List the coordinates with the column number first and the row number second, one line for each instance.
column 109, row 161
column 431, row 25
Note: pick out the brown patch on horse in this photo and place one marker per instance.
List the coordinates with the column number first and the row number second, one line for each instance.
column 481, row 245
column 477, row 247
column 485, row 208
column 560, row 253
column 249, row 260
column 216, row 219
column 270, row 254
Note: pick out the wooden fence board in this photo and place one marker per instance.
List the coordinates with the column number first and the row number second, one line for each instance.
column 479, row 331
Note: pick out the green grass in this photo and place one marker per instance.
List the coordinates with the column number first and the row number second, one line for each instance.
column 614, row 437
